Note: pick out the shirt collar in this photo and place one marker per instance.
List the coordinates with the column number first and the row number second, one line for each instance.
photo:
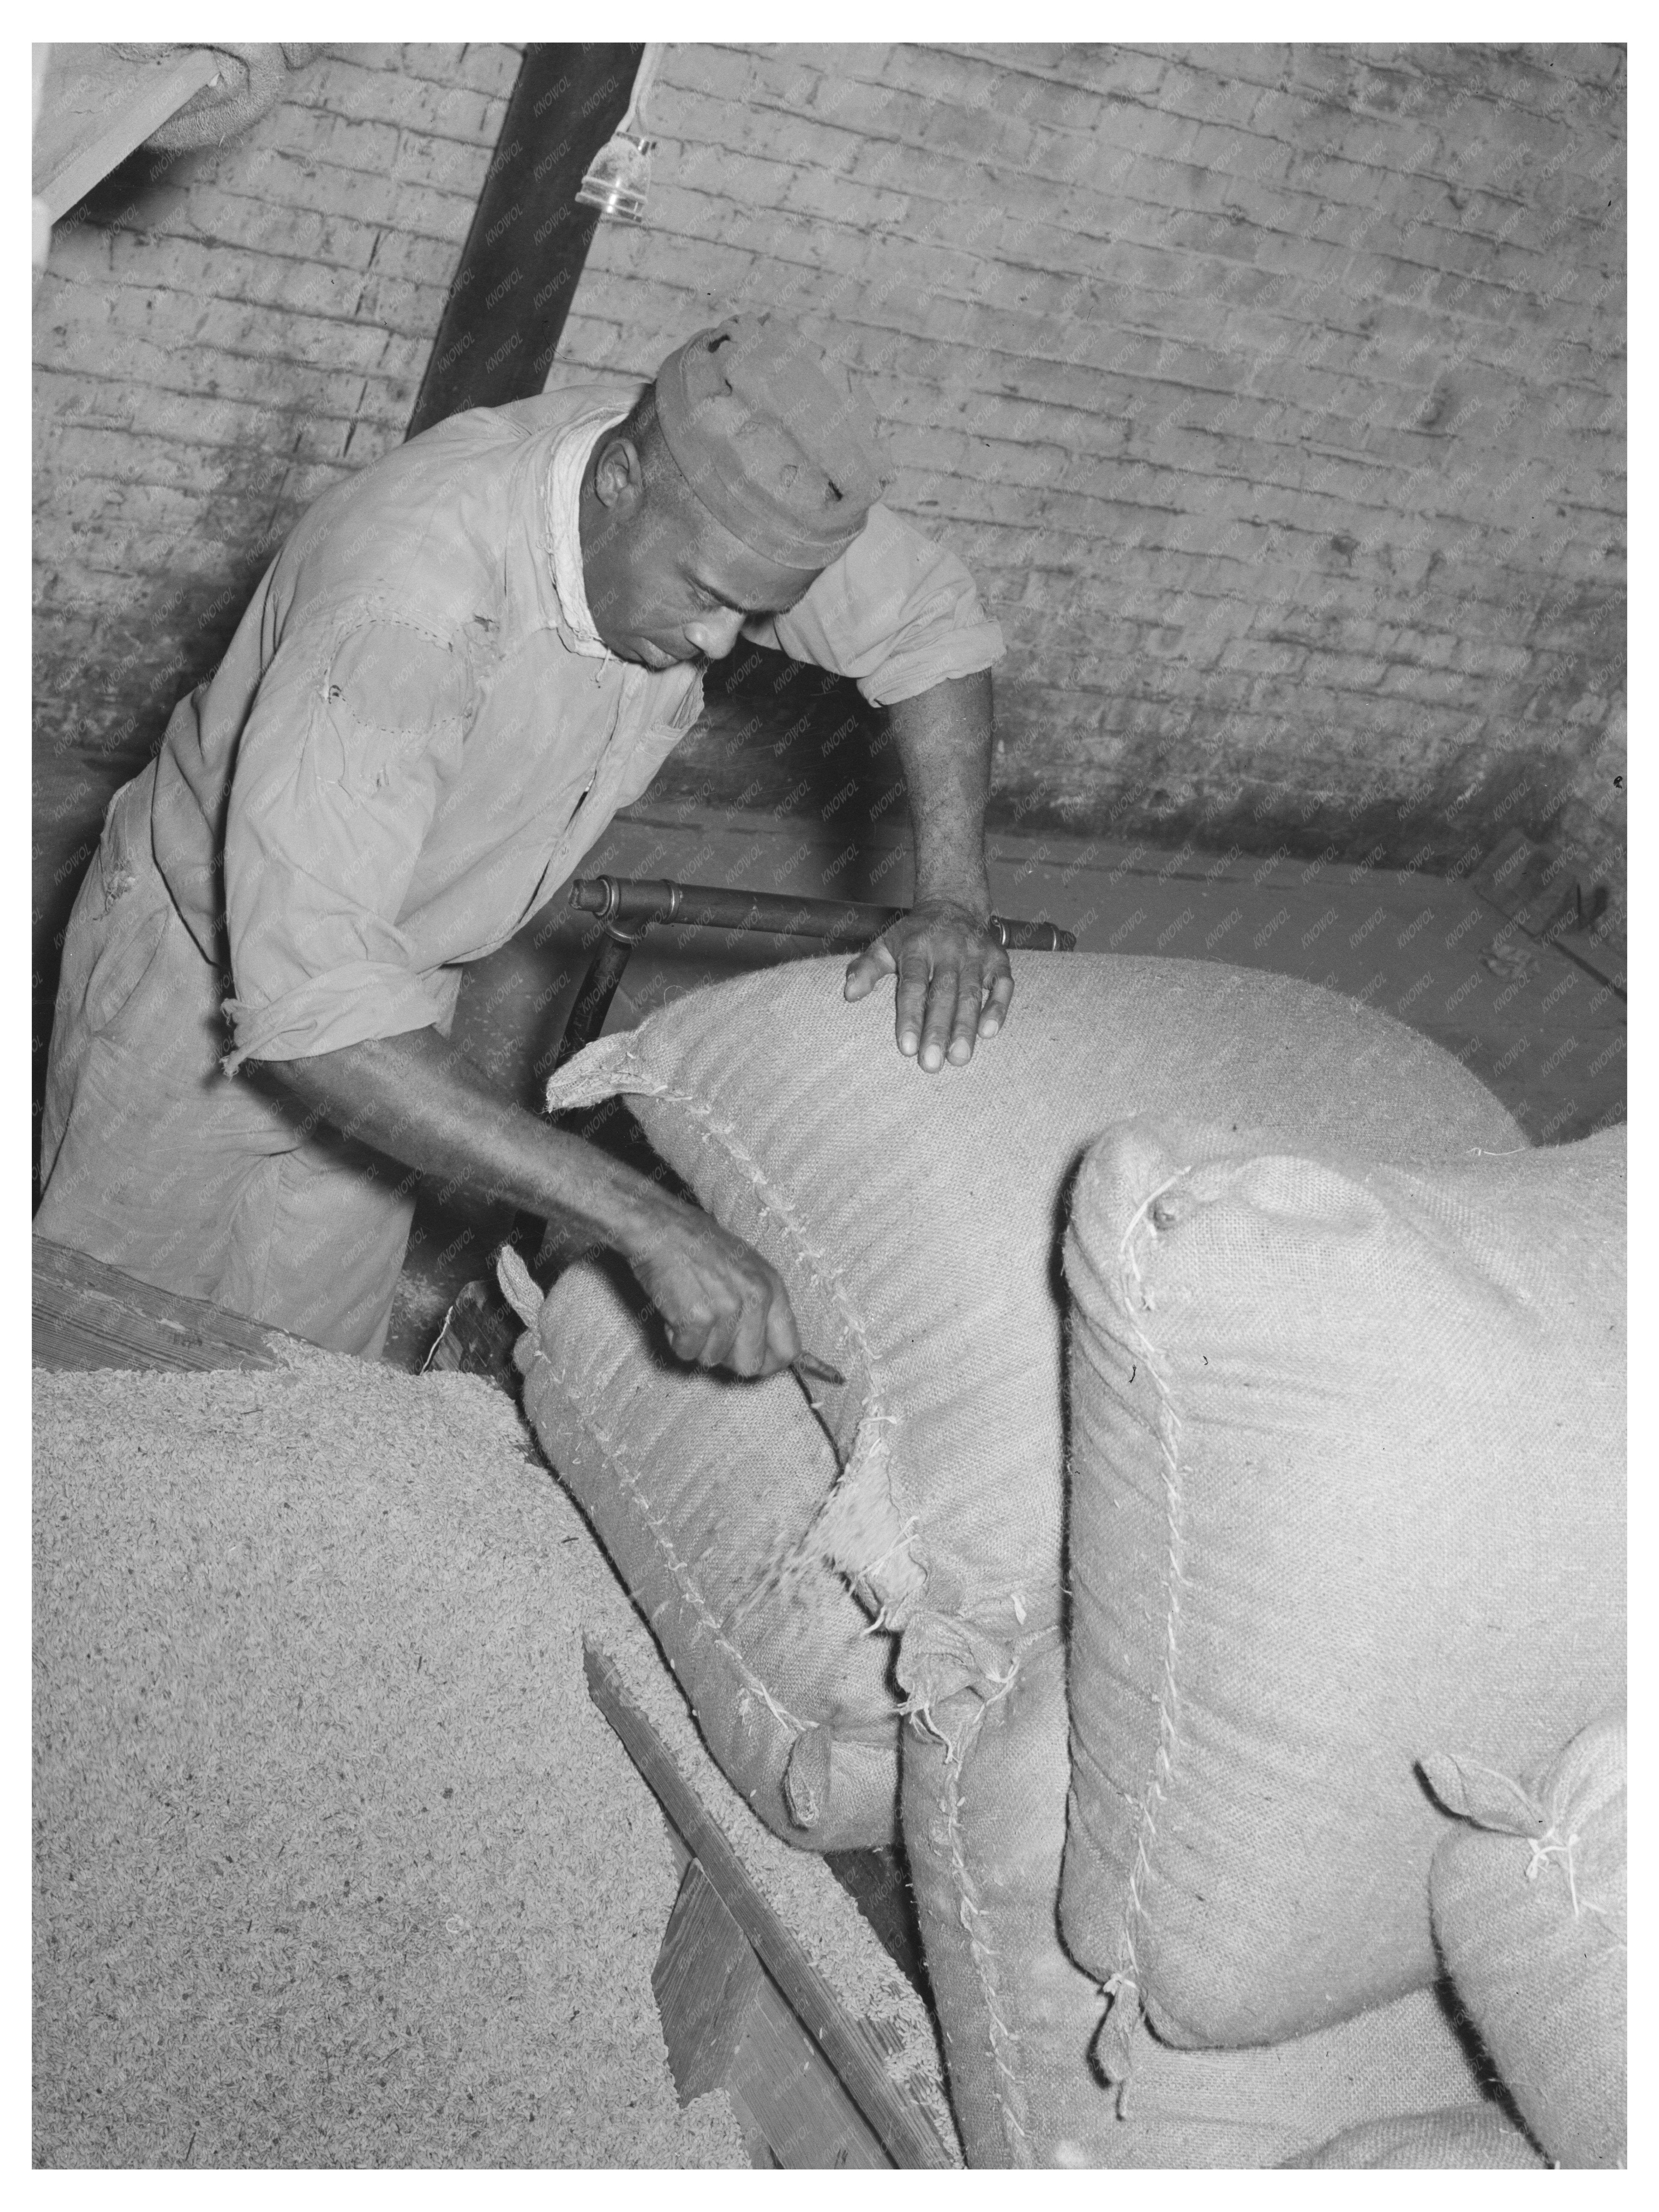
column 571, row 454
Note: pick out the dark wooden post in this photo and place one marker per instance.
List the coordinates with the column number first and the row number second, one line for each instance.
column 529, row 237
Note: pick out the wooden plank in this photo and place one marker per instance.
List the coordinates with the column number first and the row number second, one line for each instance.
column 727, row 2027
column 98, row 107
column 902, row 2130
column 704, row 1980
column 88, row 1315
column 786, row 2094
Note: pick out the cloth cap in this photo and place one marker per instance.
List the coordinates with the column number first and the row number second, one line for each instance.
column 775, row 450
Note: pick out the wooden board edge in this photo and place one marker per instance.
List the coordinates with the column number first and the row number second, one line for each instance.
column 87, row 1315
column 903, row 2131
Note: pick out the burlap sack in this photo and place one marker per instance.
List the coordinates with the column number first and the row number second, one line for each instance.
column 699, row 1487
column 1528, row 1899
column 916, row 1218
column 1468, row 2137
column 984, row 1812
column 1347, row 1480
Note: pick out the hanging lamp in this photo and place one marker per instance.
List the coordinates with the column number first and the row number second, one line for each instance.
column 619, row 175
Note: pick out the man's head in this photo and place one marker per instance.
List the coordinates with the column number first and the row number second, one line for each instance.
column 738, row 476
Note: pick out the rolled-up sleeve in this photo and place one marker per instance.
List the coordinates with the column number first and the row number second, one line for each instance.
column 896, row 613
column 356, row 723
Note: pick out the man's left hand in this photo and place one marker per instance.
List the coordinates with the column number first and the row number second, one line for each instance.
column 954, row 981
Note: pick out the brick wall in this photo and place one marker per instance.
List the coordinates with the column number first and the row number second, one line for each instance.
column 1274, row 395
column 220, row 335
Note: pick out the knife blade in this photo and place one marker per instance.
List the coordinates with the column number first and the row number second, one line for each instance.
column 818, row 1370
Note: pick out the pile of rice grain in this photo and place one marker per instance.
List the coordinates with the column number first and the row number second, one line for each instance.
column 336, row 1862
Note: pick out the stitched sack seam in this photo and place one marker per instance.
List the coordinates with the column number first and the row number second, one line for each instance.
column 1004, row 2040
column 871, row 1443
column 680, row 1572
column 778, row 1209
column 1125, row 1986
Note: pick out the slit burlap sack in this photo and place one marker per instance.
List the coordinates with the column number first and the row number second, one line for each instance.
column 700, row 1487
column 915, row 1219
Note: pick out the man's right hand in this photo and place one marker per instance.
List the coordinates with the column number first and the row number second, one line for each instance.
column 418, row 1099
column 723, row 1305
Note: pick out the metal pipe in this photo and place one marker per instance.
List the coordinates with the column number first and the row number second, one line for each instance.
column 599, row 987
column 634, row 903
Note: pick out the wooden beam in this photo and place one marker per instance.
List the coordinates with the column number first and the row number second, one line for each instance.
column 98, row 107
column 902, row 2130
column 529, row 237
column 726, row 2027
column 88, row 1315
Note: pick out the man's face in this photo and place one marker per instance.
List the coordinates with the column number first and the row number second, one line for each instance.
column 666, row 581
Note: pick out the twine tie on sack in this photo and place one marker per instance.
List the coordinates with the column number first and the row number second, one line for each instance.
column 1550, row 1846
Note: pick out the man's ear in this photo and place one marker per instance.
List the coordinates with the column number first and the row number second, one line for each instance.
column 619, row 475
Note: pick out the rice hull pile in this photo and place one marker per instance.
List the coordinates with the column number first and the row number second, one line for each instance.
column 336, row 1862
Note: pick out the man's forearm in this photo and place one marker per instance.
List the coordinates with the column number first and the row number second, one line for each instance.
column 418, row 1099
column 944, row 740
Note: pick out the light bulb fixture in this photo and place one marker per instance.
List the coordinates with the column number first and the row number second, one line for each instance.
column 618, row 179
column 619, row 176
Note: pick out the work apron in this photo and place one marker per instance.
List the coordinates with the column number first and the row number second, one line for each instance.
column 153, row 1161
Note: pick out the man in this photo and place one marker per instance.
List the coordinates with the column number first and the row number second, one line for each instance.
column 461, row 663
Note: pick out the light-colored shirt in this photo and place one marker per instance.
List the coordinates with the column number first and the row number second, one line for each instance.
column 416, row 732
